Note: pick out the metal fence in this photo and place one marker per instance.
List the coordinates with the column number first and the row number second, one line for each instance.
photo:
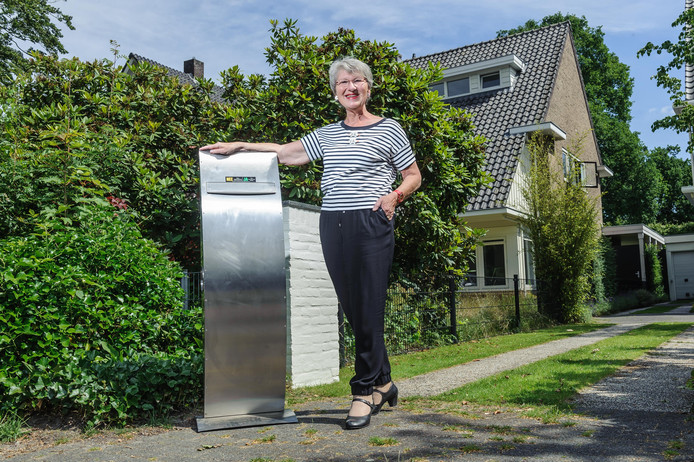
column 470, row 308
column 191, row 283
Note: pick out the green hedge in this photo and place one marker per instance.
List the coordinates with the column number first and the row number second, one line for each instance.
column 93, row 322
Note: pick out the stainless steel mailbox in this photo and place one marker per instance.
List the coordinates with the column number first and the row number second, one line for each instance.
column 245, row 291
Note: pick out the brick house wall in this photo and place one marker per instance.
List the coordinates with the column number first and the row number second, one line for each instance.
column 568, row 109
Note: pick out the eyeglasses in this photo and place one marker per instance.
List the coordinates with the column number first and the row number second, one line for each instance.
column 355, row 82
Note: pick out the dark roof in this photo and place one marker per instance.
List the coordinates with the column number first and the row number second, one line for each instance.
column 497, row 111
column 184, row 78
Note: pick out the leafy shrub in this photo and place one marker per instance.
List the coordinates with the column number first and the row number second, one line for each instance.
column 626, row 301
column 93, row 321
column 609, row 257
column 654, row 271
column 645, row 298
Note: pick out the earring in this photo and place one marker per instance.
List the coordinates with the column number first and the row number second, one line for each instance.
column 336, row 98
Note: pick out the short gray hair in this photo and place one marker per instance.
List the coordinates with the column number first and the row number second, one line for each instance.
column 351, row 65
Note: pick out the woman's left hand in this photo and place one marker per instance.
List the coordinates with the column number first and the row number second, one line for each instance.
column 387, row 203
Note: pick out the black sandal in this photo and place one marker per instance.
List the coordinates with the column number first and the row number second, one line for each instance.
column 356, row 422
column 391, row 396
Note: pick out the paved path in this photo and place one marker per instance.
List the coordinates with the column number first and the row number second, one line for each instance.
column 437, row 382
column 636, row 415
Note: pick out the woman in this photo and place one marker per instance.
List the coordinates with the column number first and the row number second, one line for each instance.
column 361, row 156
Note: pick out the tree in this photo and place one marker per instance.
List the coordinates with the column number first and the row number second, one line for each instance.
column 609, row 90
column 673, row 206
column 562, row 224
column 682, row 121
column 631, row 195
column 72, row 130
column 682, row 55
column 28, row 23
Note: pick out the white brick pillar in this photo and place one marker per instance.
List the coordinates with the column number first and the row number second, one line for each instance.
column 313, row 353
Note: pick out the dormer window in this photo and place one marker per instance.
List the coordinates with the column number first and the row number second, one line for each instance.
column 451, row 88
column 459, row 86
column 481, row 76
column 491, row 80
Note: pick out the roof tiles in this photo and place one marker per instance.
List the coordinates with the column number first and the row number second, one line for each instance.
column 184, row 78
column 497, row 111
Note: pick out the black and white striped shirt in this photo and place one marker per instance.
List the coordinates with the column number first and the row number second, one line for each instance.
column 359, row 163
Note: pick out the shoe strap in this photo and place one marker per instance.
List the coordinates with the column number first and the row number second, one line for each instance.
column 383, row 393
column 362, row 400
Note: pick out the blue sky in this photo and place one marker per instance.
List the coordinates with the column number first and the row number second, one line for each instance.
column 224, row 33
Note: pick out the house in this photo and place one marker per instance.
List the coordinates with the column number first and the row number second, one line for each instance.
column 515, row 86
column 192, row 70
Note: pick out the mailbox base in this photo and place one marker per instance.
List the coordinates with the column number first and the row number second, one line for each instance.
column 248, row 420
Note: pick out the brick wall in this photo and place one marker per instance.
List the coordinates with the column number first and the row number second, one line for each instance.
column 312, row 329
column 568, row 109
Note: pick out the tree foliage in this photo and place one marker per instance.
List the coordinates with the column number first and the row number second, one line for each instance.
column 675, row 172
column 72, row 129
column 28, row 23
column 631, row 195
column 681, row 55
column 563, row 227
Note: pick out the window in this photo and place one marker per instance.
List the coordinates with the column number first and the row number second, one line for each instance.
column 491, row 80
column 574, row 170
column 439, row 87
column 452, row 88
column 470, row 279
column 493, row 261
column 529, row 263
column 459, row 86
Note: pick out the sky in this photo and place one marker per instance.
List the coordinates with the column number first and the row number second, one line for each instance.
column 224, row 33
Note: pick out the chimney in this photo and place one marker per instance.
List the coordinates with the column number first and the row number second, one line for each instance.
column 197, row 68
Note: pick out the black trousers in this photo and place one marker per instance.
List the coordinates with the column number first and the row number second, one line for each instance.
column 358, row 250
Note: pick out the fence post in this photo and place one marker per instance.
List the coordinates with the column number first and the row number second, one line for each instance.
column 516, row 294
column 185, row 285
column 452, row 305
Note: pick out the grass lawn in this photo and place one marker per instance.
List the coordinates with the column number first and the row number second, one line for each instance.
column 658, row 309
column 409, row 365
column 547, row 385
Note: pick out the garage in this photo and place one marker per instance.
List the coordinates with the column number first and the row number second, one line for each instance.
column 683, row 264
column 680, row 260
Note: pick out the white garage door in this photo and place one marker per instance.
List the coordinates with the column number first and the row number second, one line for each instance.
column 683, row 265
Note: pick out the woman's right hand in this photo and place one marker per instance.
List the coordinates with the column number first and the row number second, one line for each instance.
column 223, row 148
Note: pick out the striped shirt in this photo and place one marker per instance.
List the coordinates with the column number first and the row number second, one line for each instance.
column 359, row 163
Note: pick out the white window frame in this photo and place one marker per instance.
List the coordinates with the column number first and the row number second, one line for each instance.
column 572, row 163
column 496, row 74
column 486, row 277
column 446, row 93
